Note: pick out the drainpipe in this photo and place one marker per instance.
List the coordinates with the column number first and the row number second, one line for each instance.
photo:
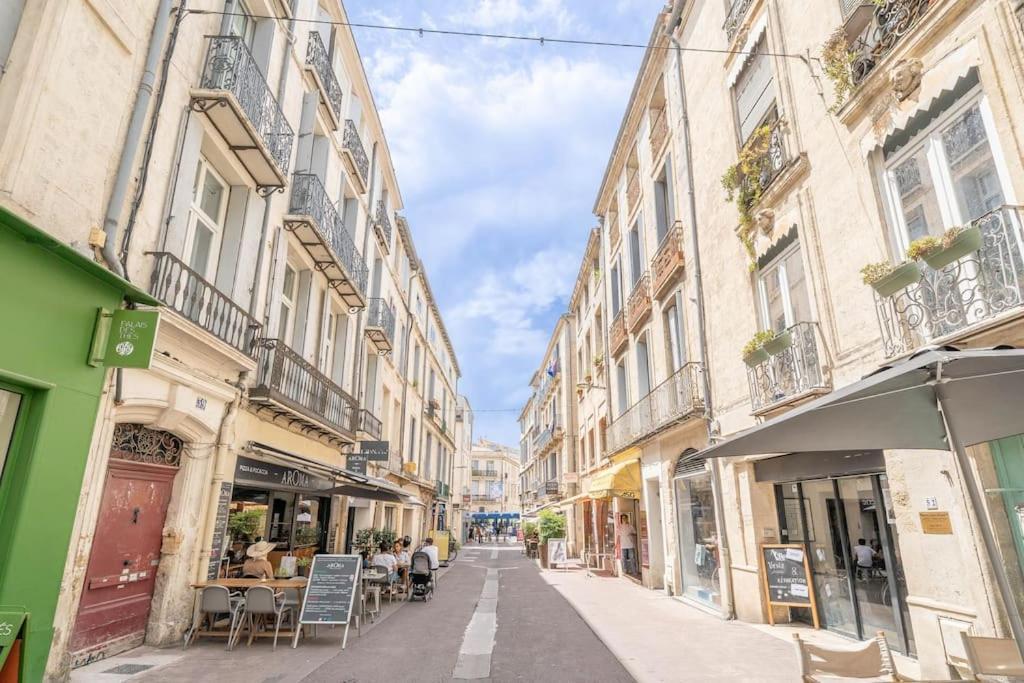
column 728, row 606
column 282, row 83
column 125, row 164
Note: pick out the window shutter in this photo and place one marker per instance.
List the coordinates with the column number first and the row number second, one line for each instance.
column 688, row 465
column 754, row 91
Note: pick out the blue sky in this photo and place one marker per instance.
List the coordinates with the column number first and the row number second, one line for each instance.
column 499, row 149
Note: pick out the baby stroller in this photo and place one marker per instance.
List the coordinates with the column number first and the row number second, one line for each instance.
column 421, row 577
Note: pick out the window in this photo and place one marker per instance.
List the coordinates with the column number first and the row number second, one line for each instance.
column 664, row 202
column 9, row 404
column 674, row 339
column 616, row 290
column 288, row 287
column 10, row 18
column 643, row 367
column 782, row 290
column 242, row 24
column 623, row 390
column 635, row 254
column 945, row 175
column 427, row 455
column 412, row 439
column 206, row 220
column 754, row 91
column 415, row 362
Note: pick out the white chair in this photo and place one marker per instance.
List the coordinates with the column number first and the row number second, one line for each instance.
column 870, row 660
column 992, row 657
column 215, row 602
column 261, row 603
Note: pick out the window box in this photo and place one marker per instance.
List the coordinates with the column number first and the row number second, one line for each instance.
column 755, row 357
column 782, row 341
column 900, row 277
column 967, row 242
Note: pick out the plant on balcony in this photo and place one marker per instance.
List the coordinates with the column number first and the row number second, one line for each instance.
column 955, row 243
column 742, row 184
column 837, row 61
column 887, row 279
column 754, row 352
column 778, row 343
column 599, row 361
column 923, row 247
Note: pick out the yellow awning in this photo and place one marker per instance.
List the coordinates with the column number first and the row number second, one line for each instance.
column 621, row 480
column 632, row 453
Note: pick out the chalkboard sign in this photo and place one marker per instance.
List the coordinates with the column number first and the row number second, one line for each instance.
column 332, row 589
column 220, row 527
column 786, row 576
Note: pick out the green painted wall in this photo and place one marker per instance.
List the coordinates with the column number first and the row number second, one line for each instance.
column 49, row 297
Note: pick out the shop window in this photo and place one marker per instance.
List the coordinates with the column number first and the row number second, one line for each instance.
column 782, row 291
column 9, row 405
column 754, row 91
column 698, row 532
column 947, row 173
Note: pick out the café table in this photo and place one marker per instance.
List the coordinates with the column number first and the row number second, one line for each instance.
column 276, row 584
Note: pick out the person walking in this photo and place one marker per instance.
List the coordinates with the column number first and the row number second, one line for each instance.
column 627, row 543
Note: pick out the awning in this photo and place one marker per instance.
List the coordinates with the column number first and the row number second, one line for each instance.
column 940, row 399
column 621, row 480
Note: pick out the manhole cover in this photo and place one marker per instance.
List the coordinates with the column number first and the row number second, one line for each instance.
column 129, row 669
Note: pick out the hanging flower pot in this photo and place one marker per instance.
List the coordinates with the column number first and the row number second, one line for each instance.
column 755, row 357
column 754, row 352
column 782, row 341
column 962, row 243
column 887, row 280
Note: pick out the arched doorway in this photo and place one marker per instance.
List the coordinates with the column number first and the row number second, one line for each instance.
column 125, row 554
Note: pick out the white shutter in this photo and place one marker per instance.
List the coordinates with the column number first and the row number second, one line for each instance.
column 754, row 91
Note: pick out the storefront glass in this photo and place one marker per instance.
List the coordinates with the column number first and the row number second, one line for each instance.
column 9, row 403
column 698, row 539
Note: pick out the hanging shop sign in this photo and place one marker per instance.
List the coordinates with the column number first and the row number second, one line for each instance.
column 375, row 451
column 356, row 463
column 10, row 632
column 124, row 338
column 278, row 477
column 786, row 578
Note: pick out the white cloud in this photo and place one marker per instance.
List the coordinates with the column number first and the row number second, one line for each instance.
column 491, row 15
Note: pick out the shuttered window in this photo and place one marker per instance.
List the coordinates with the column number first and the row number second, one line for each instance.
column 754, row 90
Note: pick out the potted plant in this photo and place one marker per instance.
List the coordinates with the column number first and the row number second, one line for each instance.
column 550, row 525
column 599, row 361
column 955, row 243
column 303, row 564
column 245, row 525
column 754, row 352
column 887, row 279
column 779, row 343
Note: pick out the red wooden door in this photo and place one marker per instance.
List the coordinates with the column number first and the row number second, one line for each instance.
column 125, row 553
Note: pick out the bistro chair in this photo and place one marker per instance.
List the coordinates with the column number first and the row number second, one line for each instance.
column 870, row 660
column 992, row 657
column 261, row 604
column 215, row 602
column 386, row 587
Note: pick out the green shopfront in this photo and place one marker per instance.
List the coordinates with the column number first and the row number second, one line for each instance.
column 50, row 296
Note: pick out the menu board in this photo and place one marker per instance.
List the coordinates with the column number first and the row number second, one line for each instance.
column 786, row 577
column 220, row 527
column 332, row 589
column 556, row 551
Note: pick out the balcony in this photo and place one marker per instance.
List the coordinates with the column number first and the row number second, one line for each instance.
column 638, row 309
column 677, row 399
column 633, row 191
column 382, row 225
column 318, row 64
column 442, row 490
column 793, row 373
column 234, row 96
column 354, row 155
column 770, row 157
column 890, row 21
column 618, row 333
column 289, row 387
column 315, row 222
column 548, row 437
column 667, row 264
column 369, row 424
column 659, row 132
column 198, row 301
column 380, row 325
column 737, row 15
column 965, row 296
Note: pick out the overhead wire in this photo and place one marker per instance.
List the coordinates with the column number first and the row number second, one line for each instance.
column 540, row 40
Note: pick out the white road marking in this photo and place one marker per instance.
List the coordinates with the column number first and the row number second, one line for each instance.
column 494, row 554
column 478, row 642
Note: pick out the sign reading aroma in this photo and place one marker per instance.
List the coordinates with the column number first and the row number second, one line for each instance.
column 356, row 462
column 272, row 476
column 124, row 338
column 786, row 577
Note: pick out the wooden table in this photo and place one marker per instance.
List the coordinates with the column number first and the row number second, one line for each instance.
column 276, row 584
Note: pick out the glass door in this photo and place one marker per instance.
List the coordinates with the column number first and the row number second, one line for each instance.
column 829, row 557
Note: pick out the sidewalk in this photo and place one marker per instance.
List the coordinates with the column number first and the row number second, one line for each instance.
column 658, row 638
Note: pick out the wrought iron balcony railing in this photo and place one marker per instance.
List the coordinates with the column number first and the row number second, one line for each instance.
column 891, row 21
column 955, row 300
column 484, row 497
column 230, row 68
column 618, row 333
column 659, row 132
column 190, row 295
column 639, row 307
column 288, row 384
column 667, row 263
column 382, row 223
column 380, row 324
column 799, row 369
column 677, row 399
column 633, row 190
column 369, row 424
column 326, row 238
column 773, row 155
column 355, row 155
column 319, row 60
column 737, row 13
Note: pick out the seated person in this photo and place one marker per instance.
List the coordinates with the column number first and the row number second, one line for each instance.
column 257, row 566
column 431, row 550
column 384, row 558
column 402, row 556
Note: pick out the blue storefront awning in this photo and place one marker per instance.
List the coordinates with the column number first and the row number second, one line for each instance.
column 494, row 515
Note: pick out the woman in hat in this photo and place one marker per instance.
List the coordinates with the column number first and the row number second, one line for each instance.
column 258, row 566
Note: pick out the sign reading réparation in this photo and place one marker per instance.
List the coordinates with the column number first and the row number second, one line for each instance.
column 220, row 527
column 786, row 577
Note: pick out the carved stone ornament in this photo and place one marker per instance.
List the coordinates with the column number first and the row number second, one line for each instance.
column 764, row 221
column 905, row 76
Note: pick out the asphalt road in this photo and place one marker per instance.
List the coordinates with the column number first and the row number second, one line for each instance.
column 492, row 619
